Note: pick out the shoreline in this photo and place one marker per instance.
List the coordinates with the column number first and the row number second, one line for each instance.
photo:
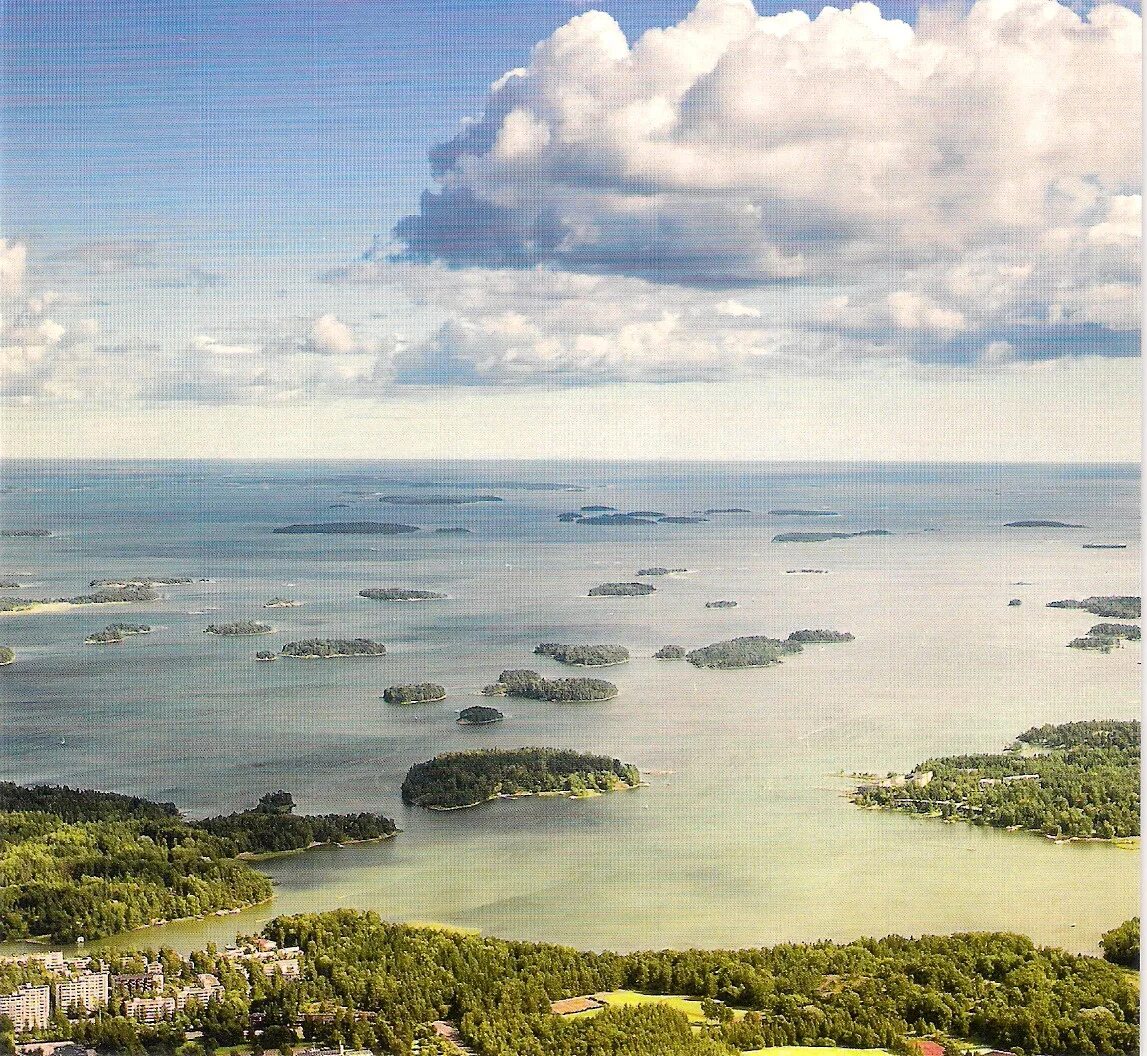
column 265, row 856
column 555, row 793
column 40, row 607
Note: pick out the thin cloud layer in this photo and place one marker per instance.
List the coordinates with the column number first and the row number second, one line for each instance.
column 937, row 187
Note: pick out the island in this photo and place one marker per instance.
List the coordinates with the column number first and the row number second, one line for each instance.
column 438, row 500
column 584, row 655
column 824, row 537
column 1089, row 642
column 103, row 596
column 415, row 693
column 820, row 637
column 109, row 863
column 399, row 594
column 1112, row 607
column 7, row 655
column 339, row 506
column 729, row 509
column 1104, row 637
column 238, row 629
column 479, row 715
column 1104, row 546
column 614, row 519
column 331, row 648
column 1015, row 602
column 803, row 513
column 9, row 584
column 681, row 520
column 265, row 656
column 806, row 571
column 621, row 590
column 281, row 603
column 720, row 604
column 670, row 652
column 1077, row 780
column 599, row 509
column 465, row 779
column 452, row 531
column 116, row 632
column 653, row 514
column 25, row 533
column 568, row 518
column 141, row 581
column 1042, row 524
column 347, row 528
column 659, row 571
column 532, row 686
column 751, row 651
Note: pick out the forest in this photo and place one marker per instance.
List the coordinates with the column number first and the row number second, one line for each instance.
column 1082, row 781
column 415, row 693
column 532, row 686
column 753, row 651
column 1109, row 607
column 325, row 648
column 464, row 779
column 584, row 655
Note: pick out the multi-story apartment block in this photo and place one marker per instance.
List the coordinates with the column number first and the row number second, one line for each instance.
column 28, row 1007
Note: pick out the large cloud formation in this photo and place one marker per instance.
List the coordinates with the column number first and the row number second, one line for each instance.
column 970, row 183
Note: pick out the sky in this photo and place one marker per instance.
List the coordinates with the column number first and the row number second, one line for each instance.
column 382, row 228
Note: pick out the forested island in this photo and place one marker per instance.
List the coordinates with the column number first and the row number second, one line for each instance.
column 730, row 509
column 803, row 513
column 670, row 652
column 453, row 531
column 7, row 655
column 238, row 629
column 1042, row 524
column 278, row 602
column 657, row 570
column 824, row 537
column 103, row 596
column 621, row 590
column 141, row 581
column 619, row 519
column 724, row 604
column 1112, row 607
column 654, row 514
column 347, row 528
column 465, row 779
column 399, row 594
column 532, row 686
column 585, row 655
column 437, row 500
column 116, row 632
column 329, row 648
column 751, row 651
column 1104, row 637
column 82, row 863
column 479, row 715
column 266, row 656
column 1104, row 546
column 1078, row 780
column 681, row 520
column 416, row 693
column 820, row 637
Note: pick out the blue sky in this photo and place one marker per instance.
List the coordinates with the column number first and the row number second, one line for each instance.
column 742, row 204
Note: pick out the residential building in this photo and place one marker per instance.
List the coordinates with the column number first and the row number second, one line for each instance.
column 150, row 1010
column 88, row 991
column 28, row 1007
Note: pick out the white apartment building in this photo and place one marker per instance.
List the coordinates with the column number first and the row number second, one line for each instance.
column 88, row 991
column 28, row 1008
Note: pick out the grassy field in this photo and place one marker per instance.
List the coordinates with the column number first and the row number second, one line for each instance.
column 691, row 1006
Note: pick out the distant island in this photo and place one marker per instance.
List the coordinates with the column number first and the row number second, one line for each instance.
column 452, row 531
column 731, row 509
column 1106, row 636
column 806, row 571
column 1117, row 607
column 25, row 533
column 281, row 603
column 104, row 596
column 752, row 651
column 116, row 632
column 339, row 506
column 1082, row 782
column 681, row 520
column 479, row 715
column 399, row 594
column 824, row 537
column 1104, row 546
column 238, row 629
column 1015, row 602
column 141, row 581
column 330, row 648
column 465, row 779
column 803, row 513
column 621, row 590
column 347, row 528
column 820, row 637
column 416, row 693
column 620, row 519
column 1042, row 524
column 532, row 686
column 659, row 571
column 437, row 500
column 7, row 655
column 599, row 509
column 720, row 604
column 266, row 656
column 669, row 652
column 479, row 485
column 9, row 584
column 585, row 655
column 568, row 518
column 653, row 514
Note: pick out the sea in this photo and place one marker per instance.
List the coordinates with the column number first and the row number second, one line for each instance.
column 743, row 834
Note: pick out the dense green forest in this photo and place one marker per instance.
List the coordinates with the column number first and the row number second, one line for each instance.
column 479, row 715
column 323, row 648
column 584, row 655
column 75, row 862
column 1081, row 781
column 753, row 651
column 820, row 637
column 416, row 693
column 463, row 779
column 531, row 686
column 238, row 628
column 670, row 652
column 1121, row 945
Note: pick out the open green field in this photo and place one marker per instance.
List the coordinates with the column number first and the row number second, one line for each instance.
column 691, row 1006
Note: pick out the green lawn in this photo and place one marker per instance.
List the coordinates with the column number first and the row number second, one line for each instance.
column 691, row 1006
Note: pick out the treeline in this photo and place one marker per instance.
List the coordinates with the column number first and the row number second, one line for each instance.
column 464, row 779
column 1085, row 785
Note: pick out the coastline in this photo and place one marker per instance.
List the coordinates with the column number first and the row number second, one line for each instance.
column 265, row 856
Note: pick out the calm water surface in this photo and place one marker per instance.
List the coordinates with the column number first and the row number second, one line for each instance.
column 742, row 836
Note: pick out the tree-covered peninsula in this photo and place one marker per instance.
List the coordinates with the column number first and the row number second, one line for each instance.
column 584, row 655
column 532, row 686
column 621, row 590
column 399, row 594
column 465, row 779
column 414, row 693
column 1121, row 945
column 1078, row 780
column 76, row 863
column 329, row 648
